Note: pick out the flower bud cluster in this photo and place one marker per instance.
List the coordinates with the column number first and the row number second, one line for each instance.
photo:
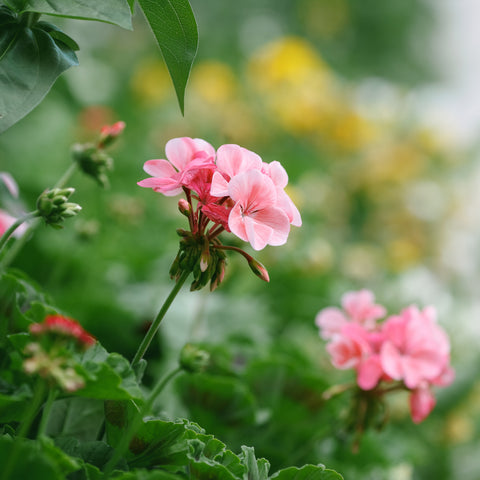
column 409, row 351
column 92, row 159
column 199, row 255
column 54, row 207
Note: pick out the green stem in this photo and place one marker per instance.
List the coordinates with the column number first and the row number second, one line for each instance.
column 136, row 422
column 66, row 176
column 15, row 225
column 28, row 418
column 156, row 323
column 18, row 245
column 52, row 394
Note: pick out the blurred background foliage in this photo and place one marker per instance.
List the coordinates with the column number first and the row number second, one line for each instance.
column 327, row 87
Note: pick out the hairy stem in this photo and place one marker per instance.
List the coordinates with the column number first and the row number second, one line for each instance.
column 156, row 323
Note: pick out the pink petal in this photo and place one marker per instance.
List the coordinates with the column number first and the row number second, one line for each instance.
column 422, row 403
column 253, row 190
column 278, row 174
column 233, row 159
column 391, row 361
column 236, row 224
column 330, row 321
column 159, row 168
column 180, row 151
column 169, row 187
column 276, row 220
column 369, row 372
column 258, row 234
column 219, row 186
column 285, row 203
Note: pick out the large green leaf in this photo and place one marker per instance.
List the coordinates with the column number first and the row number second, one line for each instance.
column 108, row 376
column 110, row 11
column 307, row 472
column 175, row 29
column 31, row 59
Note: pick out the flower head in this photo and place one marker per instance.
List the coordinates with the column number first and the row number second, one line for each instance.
column 234, row 191
column 58, row 325
column 407, row 351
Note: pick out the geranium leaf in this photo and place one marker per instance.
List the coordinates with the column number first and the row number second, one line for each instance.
column 310, row 472
column 108, row 376
column 30, row 62
column 111, row 11
column 175, row 29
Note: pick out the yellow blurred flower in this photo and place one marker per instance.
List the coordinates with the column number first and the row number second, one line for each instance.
column 214, row 82
column 289, row 61
column 151, row 82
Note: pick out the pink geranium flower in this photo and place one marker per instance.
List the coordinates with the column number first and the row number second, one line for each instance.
column 6, row 221
column 360, row 306
column 416, row 349
column 185, row 155
column 255, row 217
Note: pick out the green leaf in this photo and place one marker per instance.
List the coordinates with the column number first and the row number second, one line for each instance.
column 75, row 417
column 147, row 475
column 39, row 460
column 175, row 29
column 14, row 404
column 256, row 469
column 30, row 62
column 108, row 376
column 307, row 472
column 110, row 11
column 217, row 401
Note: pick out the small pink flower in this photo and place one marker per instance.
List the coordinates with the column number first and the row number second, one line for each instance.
column 185, row 155
column 255, row 218
column 416, row 349
column 360, row 307
column 6, row 221
column 421, row 402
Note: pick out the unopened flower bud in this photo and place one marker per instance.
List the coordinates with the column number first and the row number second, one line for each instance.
column 193, row 359
column 258, row 269
column 109, row 133
column 93, row 161
column 184, row 207
column 54, row 207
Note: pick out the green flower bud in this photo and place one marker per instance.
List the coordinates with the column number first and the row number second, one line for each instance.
column 193, row 359
column 54, row 207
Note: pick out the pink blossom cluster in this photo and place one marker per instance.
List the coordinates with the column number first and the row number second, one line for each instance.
column 410, row 348
column 234, row 188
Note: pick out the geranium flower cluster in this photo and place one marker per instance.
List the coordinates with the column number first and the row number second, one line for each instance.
column 234, row 190
column 51, row 355
column 410, row 349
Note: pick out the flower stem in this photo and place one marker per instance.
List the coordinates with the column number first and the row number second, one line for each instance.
column 156, row 323
column 137, row 420
column 52, row 394
column 66, row 176
column 28, row 418
column 15, row 225
column 10, row 256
